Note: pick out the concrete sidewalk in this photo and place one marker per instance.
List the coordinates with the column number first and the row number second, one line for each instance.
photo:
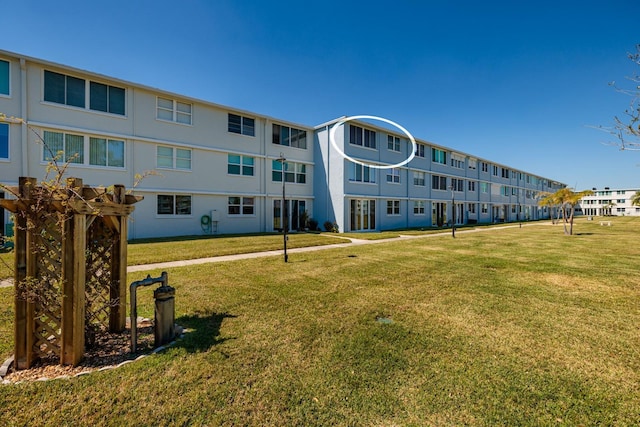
column 349, row 242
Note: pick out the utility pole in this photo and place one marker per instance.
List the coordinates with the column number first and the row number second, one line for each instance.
column 282, row 160
column 453, row 213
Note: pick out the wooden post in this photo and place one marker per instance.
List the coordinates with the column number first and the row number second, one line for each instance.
column 77, row 213
column 24, row 313
column 73, row 276
column 118, row 314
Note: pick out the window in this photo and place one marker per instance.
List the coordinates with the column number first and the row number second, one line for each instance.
column 241, row 125
column 4, row 141
column 621, row 209
column 420, row 150
column 70, row 146
column 283, row 135
column 505, row 172
column 173, row 111
column 418, row 207
column 362, row 137
column 4, row 77
column 505, row 191
column 495, row 170
column 620, row 201
column 393, row 143
column 457, row 184
column 241, row 205
column 471, row 186
column 106, row 152
column 472, row 208
column 169, row 204
column 393, row 207
column 457, row 161
column 484, row 208
column 63, row 89
column 109, row 99
column 472, row 163
column 485, row 167
column 438, row 156
column 240, row 165
column 484, row 187
column 514, row 191
column 418, row 178
column 621, row 192
column 69, row 90
column 361, row 173
column 393, row 175
column 293, row 172
column 438, row 182
column 173, row 158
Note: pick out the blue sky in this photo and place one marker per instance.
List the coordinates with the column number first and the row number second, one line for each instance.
column 516, row 82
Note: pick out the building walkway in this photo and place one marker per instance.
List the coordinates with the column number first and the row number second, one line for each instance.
column 350, row 242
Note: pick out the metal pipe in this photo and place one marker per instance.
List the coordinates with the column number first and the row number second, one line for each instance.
column 148, row 281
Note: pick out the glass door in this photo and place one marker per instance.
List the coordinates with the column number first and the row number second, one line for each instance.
column 363, row 214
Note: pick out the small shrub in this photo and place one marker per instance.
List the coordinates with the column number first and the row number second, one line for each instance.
column 313, row 224
column 331, row 226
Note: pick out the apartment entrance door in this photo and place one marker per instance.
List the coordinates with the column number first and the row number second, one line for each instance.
column 438, row 214
column 363, row 214
column 292, row 211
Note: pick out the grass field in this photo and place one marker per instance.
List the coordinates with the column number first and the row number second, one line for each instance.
column 151, row 251
column 511, row 326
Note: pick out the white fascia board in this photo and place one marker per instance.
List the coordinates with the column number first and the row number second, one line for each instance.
column 158, row 91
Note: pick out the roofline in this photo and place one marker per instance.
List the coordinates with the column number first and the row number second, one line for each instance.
column 432, row 144
column 98, row 76
column 6, row 53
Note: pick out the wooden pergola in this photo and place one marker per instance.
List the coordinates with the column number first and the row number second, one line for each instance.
column 70, row 267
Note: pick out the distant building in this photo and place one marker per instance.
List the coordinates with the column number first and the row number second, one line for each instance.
column 609, row 202
column 218, row 167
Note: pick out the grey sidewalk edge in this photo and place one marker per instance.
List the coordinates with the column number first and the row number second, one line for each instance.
column 5, row 283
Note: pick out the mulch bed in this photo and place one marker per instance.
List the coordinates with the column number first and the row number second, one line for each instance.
column 109, row 350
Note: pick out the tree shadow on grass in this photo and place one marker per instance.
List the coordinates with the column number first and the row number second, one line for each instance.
column 202, row 331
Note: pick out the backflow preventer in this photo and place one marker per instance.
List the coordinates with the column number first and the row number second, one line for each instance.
column 164, row 326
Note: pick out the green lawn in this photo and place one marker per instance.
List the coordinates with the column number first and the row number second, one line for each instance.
column 512, row 326
column 162, row 250
column 151, row 251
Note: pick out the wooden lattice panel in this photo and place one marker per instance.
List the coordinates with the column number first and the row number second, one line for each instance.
column 100, row 243
column 70, row 266
column 45, row 291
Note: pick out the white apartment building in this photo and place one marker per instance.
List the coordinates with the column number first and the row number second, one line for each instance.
column 609, row 201
column 421, row 193
column 209, row 160
column 217, row 169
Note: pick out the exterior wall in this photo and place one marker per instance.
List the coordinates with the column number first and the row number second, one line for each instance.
column 496, row 193
column 201, row 185
column 207, row 138
column 615, row 202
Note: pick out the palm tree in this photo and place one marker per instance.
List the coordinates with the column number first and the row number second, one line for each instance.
column 551, row 201
column 567, row 199
column 635, row 200
column 606, row 209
